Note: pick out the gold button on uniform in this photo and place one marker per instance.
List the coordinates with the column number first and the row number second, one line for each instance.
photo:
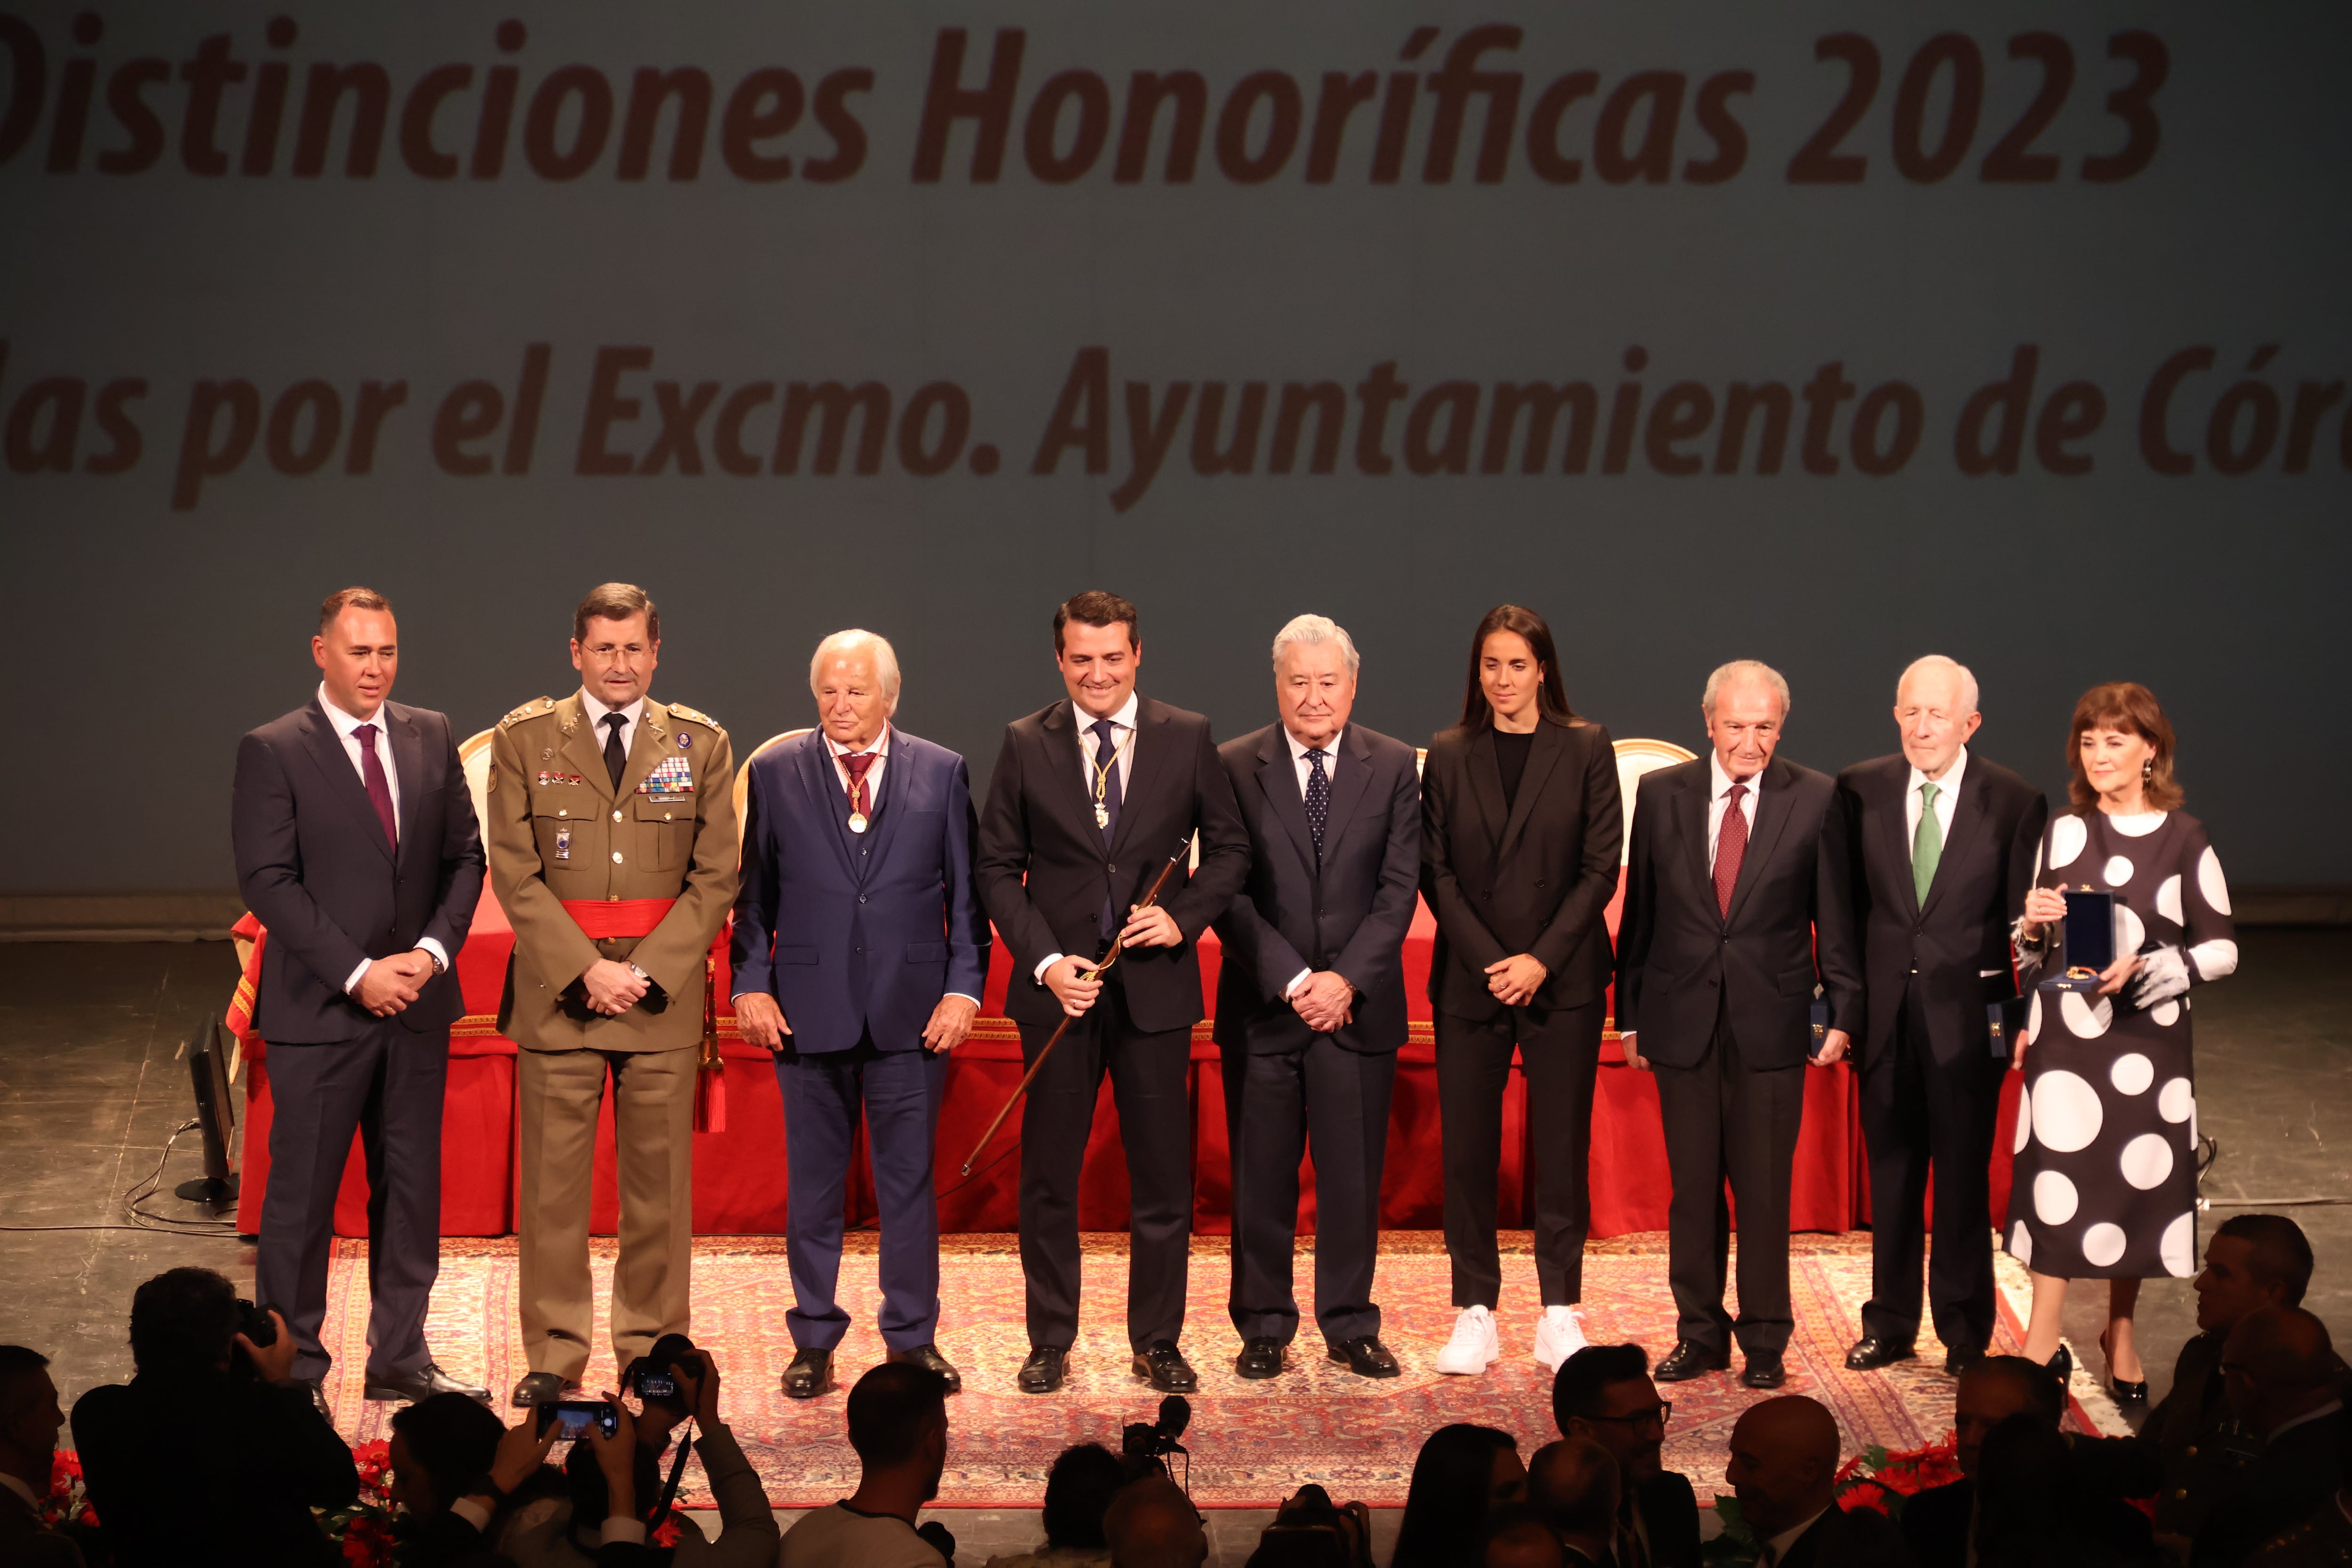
column 616, row 857
column 617, row 816
column 562, row 813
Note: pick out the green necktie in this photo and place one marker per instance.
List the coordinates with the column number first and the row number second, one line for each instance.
column 1926, row 844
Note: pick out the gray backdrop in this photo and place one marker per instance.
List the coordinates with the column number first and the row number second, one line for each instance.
column 162, row 611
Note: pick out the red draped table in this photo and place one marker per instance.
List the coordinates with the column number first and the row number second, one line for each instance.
column 739, row 1172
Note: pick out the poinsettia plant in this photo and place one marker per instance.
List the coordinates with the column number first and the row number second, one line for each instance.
column 364, row 1532
column 1876, row 1478
column 69, row 1500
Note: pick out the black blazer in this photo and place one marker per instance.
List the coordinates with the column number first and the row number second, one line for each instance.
column 1962, row 929
column 1670, row 1517
column 1791, row 921
column 1043, row 868
column 1348, row 914
column 312, row 863
column 1534, row 879
column 1937, row 1523
column 1862, row 1539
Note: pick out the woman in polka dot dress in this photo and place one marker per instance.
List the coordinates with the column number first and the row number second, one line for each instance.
column 2105, row 1184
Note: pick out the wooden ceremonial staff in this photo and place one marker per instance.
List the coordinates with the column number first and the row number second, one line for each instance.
column 1096, row 973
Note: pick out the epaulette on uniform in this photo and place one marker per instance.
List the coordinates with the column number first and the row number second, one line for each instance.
column 536, row 705
column 680, row 710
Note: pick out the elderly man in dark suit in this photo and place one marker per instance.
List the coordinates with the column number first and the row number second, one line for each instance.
column 1310, row 997
column 1944, row 841
column 1092, row 795
column 859, row 953
column 356, row 846
column 1738, row 912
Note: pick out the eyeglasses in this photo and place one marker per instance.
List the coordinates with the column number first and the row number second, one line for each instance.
column 1661, row 1412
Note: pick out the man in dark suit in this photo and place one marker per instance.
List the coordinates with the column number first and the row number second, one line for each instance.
column 1090, row 798
column 1310, row 997
column 859, row 953
column 356, row 846
column 29, row 1419
column 2283, row 1382
column 1939, row 1524
column 1603, row 1393
column 1783, row 1468
column 1737, row 912
column 1944, row 843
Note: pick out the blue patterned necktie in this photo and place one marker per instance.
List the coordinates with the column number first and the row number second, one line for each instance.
column 1107, row 800
column 1318, row 798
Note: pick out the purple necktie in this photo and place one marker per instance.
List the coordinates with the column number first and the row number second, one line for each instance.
column 379, row 788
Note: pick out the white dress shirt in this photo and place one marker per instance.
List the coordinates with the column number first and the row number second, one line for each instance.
column 1305, row 770
column 347, row 730
column 1123, row 738
column 629, row 716
column 1947, row 795
column 1778, row 1547
column 880, row 749
column 1722, row 797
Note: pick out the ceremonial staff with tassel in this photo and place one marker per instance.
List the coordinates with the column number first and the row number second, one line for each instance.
column 1087, row 797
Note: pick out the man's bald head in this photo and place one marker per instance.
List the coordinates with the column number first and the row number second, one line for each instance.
column 2278, row 1363
column 1150, row 1523
column 1784, row 1461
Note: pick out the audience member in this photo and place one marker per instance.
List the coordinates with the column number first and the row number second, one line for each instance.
column 1603, row 1393
column 610, row 1490
column 1516, row 1536
column 452, row 1464
column 2281, row 1377
column 899, row 1424
column 2324, row 1540
column 1151, row 1524
column 1574, row 1484
column 1309, row 1530
column 2181, row 1454
column 1078, row 1489
column 214, row 1453
column 29, row 1419
column 1940, row 1523
column 1462, row 1472
column 1784, row 1462
column 2031, row 1509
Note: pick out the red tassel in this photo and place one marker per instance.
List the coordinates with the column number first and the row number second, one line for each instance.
column 710, row 1099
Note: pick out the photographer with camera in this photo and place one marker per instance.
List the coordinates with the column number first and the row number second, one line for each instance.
column 616, row 1477
column 213, row 1456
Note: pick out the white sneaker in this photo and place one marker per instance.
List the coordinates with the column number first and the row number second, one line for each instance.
column 1559, row 1335
column 1474, row 1344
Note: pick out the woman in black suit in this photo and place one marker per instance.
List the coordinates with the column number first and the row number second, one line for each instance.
column 1520, row 832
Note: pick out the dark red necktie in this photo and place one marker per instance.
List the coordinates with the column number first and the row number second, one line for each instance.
column 858, row 764
column 1731, row 850
column 379, row 788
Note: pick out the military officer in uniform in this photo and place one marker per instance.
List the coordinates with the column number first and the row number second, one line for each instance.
column 612, row 848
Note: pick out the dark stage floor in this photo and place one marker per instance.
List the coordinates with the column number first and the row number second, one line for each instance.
column 90, row 1092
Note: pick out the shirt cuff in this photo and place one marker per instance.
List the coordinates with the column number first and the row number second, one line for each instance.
column 440, row 955
column 629, row 1529
column 352, row 981
column 1043, row 964
column 966, row 996
column 1296, row 981
column 472, row 1512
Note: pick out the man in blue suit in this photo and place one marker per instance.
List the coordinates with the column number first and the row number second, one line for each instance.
column 859, row 952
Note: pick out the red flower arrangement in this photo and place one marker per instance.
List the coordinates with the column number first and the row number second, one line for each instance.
column 363, row 1531
column 1882, row 1481
column 69, row 1498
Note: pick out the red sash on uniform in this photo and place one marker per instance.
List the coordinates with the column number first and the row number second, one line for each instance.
column 601, row 917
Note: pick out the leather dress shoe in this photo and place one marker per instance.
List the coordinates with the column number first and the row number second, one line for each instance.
column 810, row 1374
column 927, row 1356
column 1688, row 1359
column 1042, row 1372
column 1871, row 1352
column 1162, row 1366
column 1366, row 1357
column 1958, row 1359
column 1260, row 1359
column 543, row 1388
column 424, row 1383
column 1764, row 1370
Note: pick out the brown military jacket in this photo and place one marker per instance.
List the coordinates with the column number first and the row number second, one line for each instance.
column 2325, row 1541
column 559, row 831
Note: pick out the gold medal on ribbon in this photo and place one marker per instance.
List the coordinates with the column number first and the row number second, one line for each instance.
column 1102, row 814
column 857, row 823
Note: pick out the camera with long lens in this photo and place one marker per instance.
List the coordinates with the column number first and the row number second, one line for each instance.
column 1155, row 1443
column 654, row 1374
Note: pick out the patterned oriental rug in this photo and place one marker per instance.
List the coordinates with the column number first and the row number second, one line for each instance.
column 1251, row 1444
